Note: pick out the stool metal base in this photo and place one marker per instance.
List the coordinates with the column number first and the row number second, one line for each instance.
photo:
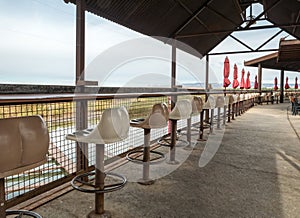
column 20, row 213
column 161, row 157
column 146, row 181
column 107, row 188
column 93, row 214
column 172, row 162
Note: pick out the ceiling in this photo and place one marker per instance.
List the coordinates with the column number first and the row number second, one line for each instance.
column 201, row 24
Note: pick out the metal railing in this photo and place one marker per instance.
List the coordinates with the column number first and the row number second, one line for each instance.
column 59, row 113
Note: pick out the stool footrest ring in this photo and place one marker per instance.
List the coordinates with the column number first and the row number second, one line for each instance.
column 93, row 189
column 161, row 157
column 20, row 213
column 166, row 141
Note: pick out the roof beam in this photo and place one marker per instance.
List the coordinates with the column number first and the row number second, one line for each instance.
column 224, row 17
column 242, row 43
column 261, row 14
column 270, row 39
column 297, row 21
column 237, row 30
column 190, row 19
column 241, row 52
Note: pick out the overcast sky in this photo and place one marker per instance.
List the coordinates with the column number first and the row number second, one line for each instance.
column 37, row 46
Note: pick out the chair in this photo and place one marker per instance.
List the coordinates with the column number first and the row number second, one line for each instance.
column 113, row 127
column 182, row 110
column 158, row 118
column 24, row 143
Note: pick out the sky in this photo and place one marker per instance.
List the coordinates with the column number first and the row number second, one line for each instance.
column 37, row 46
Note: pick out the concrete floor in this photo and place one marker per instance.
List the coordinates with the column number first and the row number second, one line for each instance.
column 252, row 171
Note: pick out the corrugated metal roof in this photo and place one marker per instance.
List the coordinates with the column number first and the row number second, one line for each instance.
column 169, row 18
column 174, row 18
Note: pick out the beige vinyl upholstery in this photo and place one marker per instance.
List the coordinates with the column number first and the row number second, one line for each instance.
column 197, row 105
column 210, row 103
column 158, row 118
column 231, row 99
column 113, row 127
column 24, row 143
column 220, row 101
column 182, row 110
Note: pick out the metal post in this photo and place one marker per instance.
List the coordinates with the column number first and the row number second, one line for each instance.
column 224, row 115
column 99, row 183
column 229, row 110
column 233, row 110
column 219, row 118
column 212, row 121
column 146, row 159
column 201, row 127
column 206, row 83
column 281, row 85
column 81, row 106
column 259, row 77
column 188, row 134
column 2, row 198
column 173, row 101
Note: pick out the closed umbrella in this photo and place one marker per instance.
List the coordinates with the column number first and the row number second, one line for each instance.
column 226, row 73
column 286, row 83
column 248, row 84
column 296, row 83
column 255, row 83
column 275, row 84
column 242, row 84
column 235, row 83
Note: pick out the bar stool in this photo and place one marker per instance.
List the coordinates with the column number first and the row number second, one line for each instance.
column 24, row 145
column 158, row 118
column 242, row 103
column 197, row 105
column 182, row 110
column 234, row 106
column 230, row 106
column 113, row 127
column 220, row 102
column 210, row 104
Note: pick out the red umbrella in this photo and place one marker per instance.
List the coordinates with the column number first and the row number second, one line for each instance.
column 286, row 83
column 248, row 84
column 296, row 83
column 235, row 83
column 226, row 73
column 255, row 83
column 275, row 84
column 242, row 84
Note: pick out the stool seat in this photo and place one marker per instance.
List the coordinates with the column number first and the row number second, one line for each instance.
column 113, row 127
column 210, row 103
column 158, row 118
column 24, row 143
column 220, row 101
column 197, row 105
column 182, row 110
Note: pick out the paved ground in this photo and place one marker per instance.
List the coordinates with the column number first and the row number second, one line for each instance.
column 254, row 173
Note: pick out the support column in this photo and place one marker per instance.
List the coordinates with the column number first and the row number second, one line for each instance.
column 281, row 85
column 173, row 101
column 81, row 106
column 259, row 77
column 206, row 84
